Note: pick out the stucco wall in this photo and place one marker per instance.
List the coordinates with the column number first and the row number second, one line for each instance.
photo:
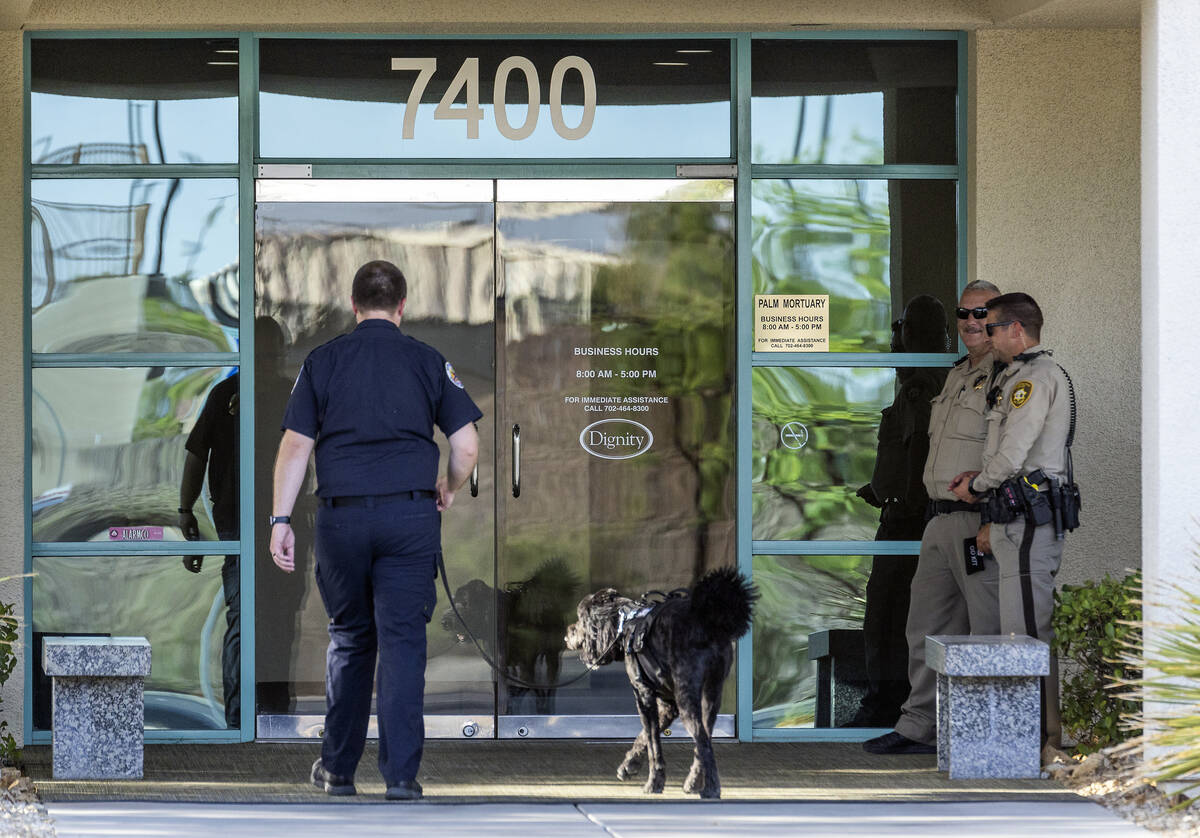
column 12, row 407
column 1055, row 194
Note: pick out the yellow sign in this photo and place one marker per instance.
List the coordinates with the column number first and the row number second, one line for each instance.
column 791, row 322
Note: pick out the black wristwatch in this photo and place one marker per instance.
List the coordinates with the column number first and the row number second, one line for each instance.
column 280, row 519
column 187, row 511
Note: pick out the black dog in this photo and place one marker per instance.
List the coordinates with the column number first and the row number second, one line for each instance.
column 532, row 618
column 677, row 652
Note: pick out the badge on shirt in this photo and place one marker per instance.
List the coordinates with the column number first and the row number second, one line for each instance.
column 1021, row 393
column 454, row 379
column 980, row 381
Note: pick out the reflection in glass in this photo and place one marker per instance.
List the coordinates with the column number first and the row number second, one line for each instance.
column 134, row 265
column 108, row 452
column 871, row 245
column 814, row 440
column 617, row 312
column 182, row 614
column 854, row 102
column 338, row 98
column 307, row 254
column 133, row 100
column 810, row 605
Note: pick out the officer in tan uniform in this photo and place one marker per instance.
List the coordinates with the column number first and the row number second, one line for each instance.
column 947, row 595
column 1025, row 469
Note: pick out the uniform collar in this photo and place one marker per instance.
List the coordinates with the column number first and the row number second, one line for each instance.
column 1032, row 352
column 376, row 323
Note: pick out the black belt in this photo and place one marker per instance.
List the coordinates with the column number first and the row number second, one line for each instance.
column 945, row 507
column 375, row 500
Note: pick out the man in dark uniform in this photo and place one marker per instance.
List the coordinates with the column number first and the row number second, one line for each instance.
column 368, row 402
column 896, row 488
column 213, row 446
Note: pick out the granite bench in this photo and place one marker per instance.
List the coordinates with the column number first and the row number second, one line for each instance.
column 841, row 674
column 98, row 711
column 989, row 705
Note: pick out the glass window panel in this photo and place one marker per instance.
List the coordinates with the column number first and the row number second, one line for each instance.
column 871, row 245
column 134, row 100
column 338, row 99
column 854, row 102
column 809, row 649
column 134, row 265
column 815, row 434
column 108, row 452
column 183, row 614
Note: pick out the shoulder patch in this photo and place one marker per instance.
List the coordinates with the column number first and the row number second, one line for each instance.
column 454, row 379
column 1021, row 393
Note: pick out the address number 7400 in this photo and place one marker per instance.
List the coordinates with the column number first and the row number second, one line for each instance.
column 466, row 81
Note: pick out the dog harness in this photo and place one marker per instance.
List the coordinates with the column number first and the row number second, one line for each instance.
column 636, row 622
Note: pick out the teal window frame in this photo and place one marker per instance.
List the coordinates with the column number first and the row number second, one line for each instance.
column 748, row 359
column 244, row 170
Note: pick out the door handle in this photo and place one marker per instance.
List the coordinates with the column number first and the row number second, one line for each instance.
column 475, row 474
column 516, row 462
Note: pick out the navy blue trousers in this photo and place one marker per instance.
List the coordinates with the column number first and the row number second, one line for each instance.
column 376, row 566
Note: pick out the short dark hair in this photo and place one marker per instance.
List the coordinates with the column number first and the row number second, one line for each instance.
column 1019, row 306
column 378, row 286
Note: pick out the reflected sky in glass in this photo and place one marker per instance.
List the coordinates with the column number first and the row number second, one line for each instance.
column 134, row 100
column 134, row 265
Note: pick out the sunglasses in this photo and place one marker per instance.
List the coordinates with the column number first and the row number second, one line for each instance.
column 979, row 313
column 992, row 327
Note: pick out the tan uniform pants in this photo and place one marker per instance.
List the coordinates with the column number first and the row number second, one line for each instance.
column 1028, row 564
column 944, row 600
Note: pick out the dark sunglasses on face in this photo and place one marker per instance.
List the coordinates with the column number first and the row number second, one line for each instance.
column 992, row 327
column 979, row 313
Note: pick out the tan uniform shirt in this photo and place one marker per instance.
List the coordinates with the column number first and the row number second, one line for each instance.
column 958, row 426
column 1027, row 427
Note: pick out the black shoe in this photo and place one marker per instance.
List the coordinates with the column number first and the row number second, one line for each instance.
column 404, row 790
column 897, row 743
column 331, row 783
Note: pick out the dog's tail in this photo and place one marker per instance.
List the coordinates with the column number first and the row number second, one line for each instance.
column 724, row 600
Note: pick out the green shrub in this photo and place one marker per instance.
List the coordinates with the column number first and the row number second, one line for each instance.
column 8, row 661
column 1096, row 625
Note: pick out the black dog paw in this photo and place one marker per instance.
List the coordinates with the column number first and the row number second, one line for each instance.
column 628, row 772
column 653, row 786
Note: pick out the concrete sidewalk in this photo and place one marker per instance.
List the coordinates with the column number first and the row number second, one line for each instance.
column 590, row 820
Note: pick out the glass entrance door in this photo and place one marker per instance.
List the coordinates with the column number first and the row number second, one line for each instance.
column 615, row 422
column 592, row 321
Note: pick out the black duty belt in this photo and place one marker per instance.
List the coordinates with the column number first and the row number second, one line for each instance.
column 945, row 507
column 375, row 500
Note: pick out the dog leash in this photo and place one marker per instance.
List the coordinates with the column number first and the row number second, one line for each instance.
column 512, row 679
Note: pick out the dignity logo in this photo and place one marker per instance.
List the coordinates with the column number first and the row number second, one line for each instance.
column 616, row 439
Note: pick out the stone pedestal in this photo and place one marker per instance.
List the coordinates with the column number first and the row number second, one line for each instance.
column 989, row 706
column 841, row 674
column 98, row 711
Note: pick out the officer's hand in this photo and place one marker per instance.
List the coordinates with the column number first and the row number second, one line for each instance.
column 193, row 563
column 868, row 494
column 961, row 486
column 445, row 496
column 190, row 527
column 983, row 541
column 283, row 547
